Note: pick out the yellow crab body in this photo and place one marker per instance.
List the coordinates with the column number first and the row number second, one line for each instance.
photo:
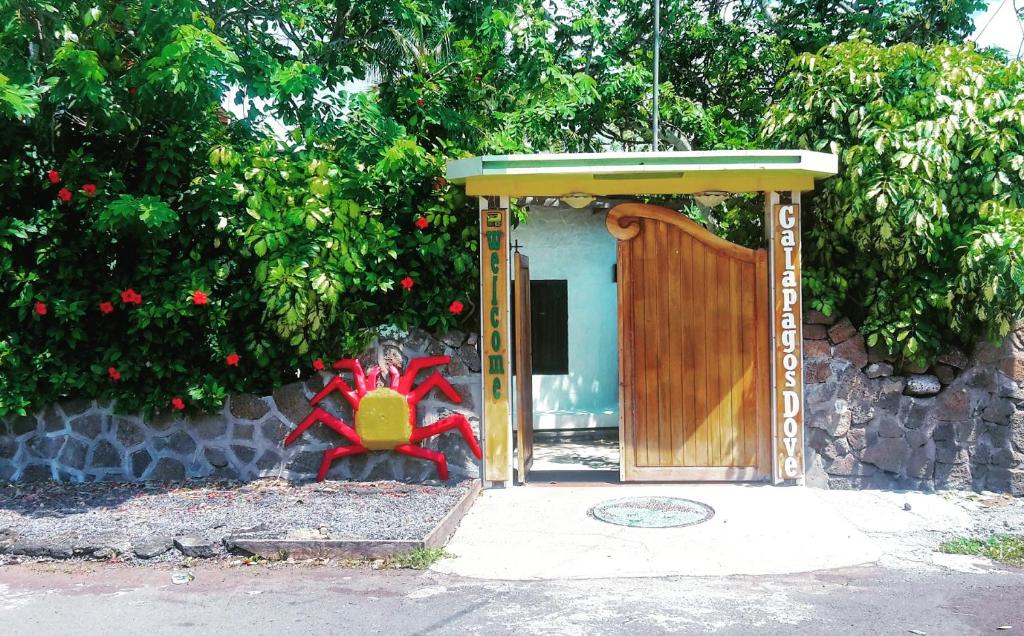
column 382, row 419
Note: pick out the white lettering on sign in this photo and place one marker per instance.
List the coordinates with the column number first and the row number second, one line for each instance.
column 788, row 370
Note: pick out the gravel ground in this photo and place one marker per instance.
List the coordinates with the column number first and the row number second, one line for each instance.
column 129, row 520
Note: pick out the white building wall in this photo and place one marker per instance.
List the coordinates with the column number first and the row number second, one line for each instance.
column 574, row 245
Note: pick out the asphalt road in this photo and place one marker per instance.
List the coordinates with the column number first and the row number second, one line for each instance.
column 66, row 598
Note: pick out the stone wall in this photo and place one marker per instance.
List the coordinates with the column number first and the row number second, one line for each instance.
column 83, row 440
column 873, row 424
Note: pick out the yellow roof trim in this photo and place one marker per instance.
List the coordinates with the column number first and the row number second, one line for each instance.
column 607, row 174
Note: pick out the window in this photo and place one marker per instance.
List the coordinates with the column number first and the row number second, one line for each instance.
column 549, row 309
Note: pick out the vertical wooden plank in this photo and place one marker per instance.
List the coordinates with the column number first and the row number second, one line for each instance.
column 723, row 359
column 652, row 338
column 675, row 357
column 699, row 326
column 762, row 367
column 664, row 350
column 641, row 308
column 627, row 384
column 494, row 316
column 736, row 328
column 687, row 366
column 748, row 305
column 712, row 395
column 524, row 367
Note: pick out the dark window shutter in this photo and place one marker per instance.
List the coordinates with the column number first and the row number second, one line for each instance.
column 549, row 306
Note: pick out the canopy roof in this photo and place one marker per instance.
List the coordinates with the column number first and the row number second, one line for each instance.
column 629, row 173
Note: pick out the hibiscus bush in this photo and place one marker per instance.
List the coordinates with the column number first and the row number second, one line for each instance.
column 161, row 251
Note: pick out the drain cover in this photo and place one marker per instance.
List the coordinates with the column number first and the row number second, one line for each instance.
column 652, row 512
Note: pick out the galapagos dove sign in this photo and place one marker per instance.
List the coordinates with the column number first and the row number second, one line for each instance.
column 788, row 372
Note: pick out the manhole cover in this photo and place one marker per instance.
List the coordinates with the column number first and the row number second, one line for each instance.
column 652, row 512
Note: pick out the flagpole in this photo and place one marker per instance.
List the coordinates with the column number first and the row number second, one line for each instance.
column 657, row 59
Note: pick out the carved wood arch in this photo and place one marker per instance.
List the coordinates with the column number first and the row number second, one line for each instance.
column 624, row 224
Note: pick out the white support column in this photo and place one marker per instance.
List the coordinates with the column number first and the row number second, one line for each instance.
column 782, row 226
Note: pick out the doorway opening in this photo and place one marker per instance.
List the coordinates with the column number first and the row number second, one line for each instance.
column 565, row 347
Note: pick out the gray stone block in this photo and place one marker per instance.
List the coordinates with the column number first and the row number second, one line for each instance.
column 46, row 448
column 216, row 457
column 878, row 370
column 208, row 427
column 180, row 442
column 248, row 407
column 140, row 461
column 889, row 454
column 814, row 317
column 53, row 420
column 953, row 476
column 197, row 547
column 922, row 385
column 89, row 426
column 849, row 466
column 22, row 424
column 999, row 411
column 243, row 431
column 291, row 402
column 72, row 454
column 151, row 546
column 130, row 433
column 244, row 454
column 8, row 447
column 105, row 455
column 167, row 469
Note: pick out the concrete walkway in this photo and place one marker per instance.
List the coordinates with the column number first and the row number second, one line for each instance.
column 538, row 532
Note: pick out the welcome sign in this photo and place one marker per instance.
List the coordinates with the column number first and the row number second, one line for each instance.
column 787, row 363
column 495, row 336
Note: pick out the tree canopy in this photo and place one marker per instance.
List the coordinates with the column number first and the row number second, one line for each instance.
column 196, row 203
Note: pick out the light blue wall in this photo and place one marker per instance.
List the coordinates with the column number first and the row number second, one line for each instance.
column 574, row 245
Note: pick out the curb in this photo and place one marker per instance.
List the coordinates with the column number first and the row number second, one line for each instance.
column 356, row 548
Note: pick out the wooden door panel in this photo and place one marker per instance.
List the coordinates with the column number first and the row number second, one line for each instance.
column 693, row 322
column 524, row 368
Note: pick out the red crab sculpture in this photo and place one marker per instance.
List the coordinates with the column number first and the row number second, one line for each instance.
column 385, row 417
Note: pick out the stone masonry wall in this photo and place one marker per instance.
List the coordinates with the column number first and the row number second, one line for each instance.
column 84, row 440
column 870, row 424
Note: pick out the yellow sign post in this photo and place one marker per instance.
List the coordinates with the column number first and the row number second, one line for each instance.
column 494, row 317
column 787, row 337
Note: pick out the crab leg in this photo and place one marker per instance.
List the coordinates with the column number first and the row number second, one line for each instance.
column 457, row 421
column 435, row 380
column 322, row 416
column 352, row 364
column 425, row 453
column 336, row 453
column 394, row 376
column 336, row 384
column 415, row 366
column 371, row 378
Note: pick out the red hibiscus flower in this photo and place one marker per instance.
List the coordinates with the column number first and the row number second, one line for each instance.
column 114, row 374
column 178, row 404
column 53, row 176
column 89, row 189
column 407, row 283
column 40, row 309
column 455, row 307
column 439, row 183
column 419, row 102
column 199, row 298
column 318, row 365
column 232, row 359
column 422, row 223
column 106, row 307
column 64, row 195
column 132, row 90
column 130, row 297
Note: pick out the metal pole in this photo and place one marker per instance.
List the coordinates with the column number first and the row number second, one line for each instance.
column 657, row 59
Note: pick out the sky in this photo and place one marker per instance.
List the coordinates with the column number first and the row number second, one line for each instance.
column 999, row 26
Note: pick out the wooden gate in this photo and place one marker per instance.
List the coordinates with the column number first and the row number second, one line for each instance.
column 524, row 368
column 693, row 350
